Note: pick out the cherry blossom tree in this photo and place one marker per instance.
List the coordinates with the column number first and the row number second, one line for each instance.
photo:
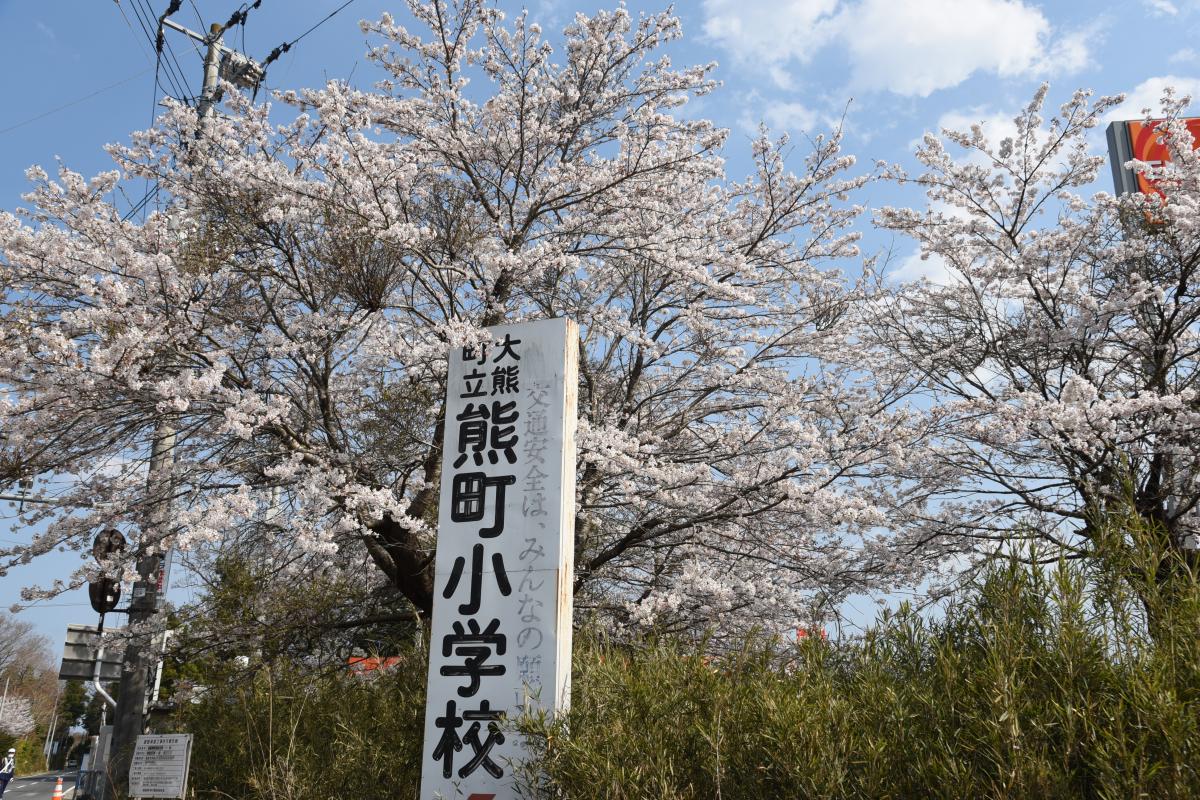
column 1055, row 368
column 286, row 311
column 16, row 716
column 29, row 673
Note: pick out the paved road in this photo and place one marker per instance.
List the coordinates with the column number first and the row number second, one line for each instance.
column 40, row 787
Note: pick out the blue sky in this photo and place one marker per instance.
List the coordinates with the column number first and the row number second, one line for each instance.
column 895, row 68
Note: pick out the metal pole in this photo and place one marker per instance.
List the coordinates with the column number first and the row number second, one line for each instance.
column 130, row 717
column 50, row 736
column 152, row 696
column 100, row 690
column 53, row 725
column 97, row 668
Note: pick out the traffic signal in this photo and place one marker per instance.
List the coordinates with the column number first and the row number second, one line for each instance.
column 105, row 591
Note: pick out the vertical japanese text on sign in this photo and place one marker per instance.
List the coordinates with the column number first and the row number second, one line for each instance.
column 505, row 539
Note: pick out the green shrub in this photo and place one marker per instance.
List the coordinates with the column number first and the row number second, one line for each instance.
column 1027, row 687
column 284, row 734
column 1078, row 679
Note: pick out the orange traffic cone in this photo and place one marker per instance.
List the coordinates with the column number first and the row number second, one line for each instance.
column 57, row 791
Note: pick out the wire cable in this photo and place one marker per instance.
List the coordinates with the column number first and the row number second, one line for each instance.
column 141, row 204
column 147, row 30
column 179, row 71
column 283, row 48
column 200, row 19
column 174, row 71
column 180, row 74
column 74, row 102
column 171, row 9
column 129, row 25
column 155, row 44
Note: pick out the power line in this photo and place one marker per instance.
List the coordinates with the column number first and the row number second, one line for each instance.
column 153, row 47
column 283, row 48
column 171, row 9
column 77, row 101
column 146, row 198
column 129, row 25
column 174, row 71
column 199, row 18
column 183, row 92
column 159, row 44
column 145, row 16
column 181, row 74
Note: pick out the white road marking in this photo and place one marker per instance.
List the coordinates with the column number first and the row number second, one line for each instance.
column 40, row 787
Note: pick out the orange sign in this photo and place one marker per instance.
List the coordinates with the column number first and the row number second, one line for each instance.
column 1148, row 144
column 362, row 665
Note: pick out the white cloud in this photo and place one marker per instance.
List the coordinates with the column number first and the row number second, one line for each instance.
column 781, row 116
column 995, row 125
column 1148, row 94
column 770, row 33
column 910, row 47
column 1069, row 53
column 792, row 117
column 915, row 47
column 795, row 119
column 1161, row 7
column 549, row 13
column 932, row 268
column 1185, row 56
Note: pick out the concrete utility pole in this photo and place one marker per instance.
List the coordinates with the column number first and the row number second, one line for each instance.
column 212, row 68
column 219, row 62
column 53, row 727
column 129, row 719
column 140, row 657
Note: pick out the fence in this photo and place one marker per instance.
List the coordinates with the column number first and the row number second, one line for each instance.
column 91, row 785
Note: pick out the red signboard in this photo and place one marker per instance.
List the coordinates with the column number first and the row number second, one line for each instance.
column 1148, row 144
column 1142, row 141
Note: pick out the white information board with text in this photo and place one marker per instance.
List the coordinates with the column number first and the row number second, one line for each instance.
column 160, row 765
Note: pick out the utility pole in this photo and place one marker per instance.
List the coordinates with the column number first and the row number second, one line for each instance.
column 129, row 719
column 212, row 67
column 53, row 727
column 219, row 62
column 130, row 715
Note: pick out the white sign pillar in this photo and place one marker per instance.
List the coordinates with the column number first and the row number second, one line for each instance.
column 501, row 633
